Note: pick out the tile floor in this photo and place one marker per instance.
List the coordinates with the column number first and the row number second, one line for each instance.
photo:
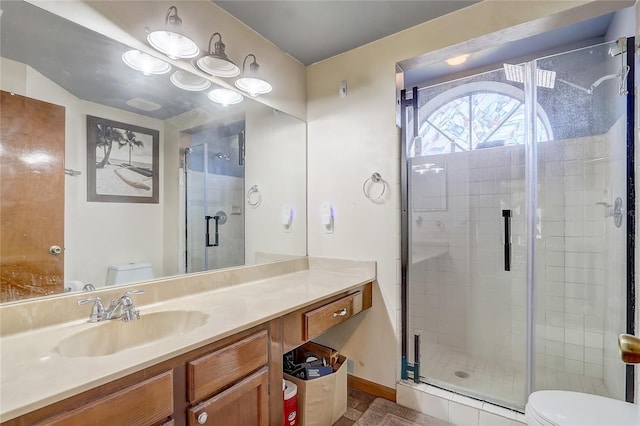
column 500, row 381
column 357, row 404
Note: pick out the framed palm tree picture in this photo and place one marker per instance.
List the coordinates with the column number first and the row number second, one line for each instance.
column 122, row 162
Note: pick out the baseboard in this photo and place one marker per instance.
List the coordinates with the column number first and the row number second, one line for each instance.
column 371, row 388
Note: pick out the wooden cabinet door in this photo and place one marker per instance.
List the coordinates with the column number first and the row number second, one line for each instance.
column 246, row 403
column 32, row 136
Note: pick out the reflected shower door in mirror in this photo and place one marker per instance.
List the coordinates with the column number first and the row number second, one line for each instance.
column 214, row 199
column 90, row 78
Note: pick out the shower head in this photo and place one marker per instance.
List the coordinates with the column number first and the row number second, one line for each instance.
column 589, row 91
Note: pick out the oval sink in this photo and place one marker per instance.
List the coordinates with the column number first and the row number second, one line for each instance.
column 112, row 336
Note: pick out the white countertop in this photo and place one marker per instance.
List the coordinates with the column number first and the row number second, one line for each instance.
column 34, row 375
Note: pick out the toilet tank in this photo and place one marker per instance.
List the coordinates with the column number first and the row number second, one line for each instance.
column 130, row 272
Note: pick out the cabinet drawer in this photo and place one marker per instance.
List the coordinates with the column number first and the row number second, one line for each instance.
column 245, row 403
column 323, row 318
column 149, row 402
column 211, row 373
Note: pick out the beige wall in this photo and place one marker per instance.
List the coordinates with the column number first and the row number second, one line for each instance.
column 351, row 137
column 125, row 21
column 275, row 161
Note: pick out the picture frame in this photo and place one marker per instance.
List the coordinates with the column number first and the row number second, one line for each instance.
column 122, row 162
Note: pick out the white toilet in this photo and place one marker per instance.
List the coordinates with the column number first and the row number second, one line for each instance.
column 131, row 272
column 564, row 408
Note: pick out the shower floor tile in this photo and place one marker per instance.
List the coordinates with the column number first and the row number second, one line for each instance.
column 500, row 382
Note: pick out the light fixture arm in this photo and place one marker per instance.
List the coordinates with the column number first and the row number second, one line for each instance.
column 253, row 66
column 172, row 17
column 219, row 46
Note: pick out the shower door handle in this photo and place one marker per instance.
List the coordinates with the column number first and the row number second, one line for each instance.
column 216, row 242
column 506, row 215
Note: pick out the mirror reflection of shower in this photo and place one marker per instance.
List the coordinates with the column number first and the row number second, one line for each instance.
column 214, row 182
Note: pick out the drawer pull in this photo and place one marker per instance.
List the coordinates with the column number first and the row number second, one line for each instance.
column 341, row 313
column 202, row 418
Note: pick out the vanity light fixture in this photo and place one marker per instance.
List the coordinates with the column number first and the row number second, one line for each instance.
column 187, row 81
column 145, row 63
column 250, row 81
column 170, row 42
column 217, row 62
column 225, row 97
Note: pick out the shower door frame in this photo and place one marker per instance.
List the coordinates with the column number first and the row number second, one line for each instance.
column 404, row 103
column 631, row 210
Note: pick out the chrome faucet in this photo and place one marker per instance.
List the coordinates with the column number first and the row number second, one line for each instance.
column 123, row 308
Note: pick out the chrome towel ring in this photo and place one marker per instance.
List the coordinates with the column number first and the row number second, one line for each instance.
column 254, row 197
column 374, row 179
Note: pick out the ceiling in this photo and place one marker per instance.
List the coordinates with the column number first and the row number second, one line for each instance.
column 578, row 35
column 311, row 31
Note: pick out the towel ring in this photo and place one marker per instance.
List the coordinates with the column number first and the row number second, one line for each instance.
column 254, row 197
column 375, row 178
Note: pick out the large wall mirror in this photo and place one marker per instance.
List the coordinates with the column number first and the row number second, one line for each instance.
column 190, row 184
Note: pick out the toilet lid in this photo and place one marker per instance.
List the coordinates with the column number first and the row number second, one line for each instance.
column 564, row 408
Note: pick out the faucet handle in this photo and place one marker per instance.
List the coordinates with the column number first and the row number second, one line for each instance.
column 97, row 311
column 89, row 300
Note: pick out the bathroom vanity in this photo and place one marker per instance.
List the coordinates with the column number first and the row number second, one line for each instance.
column 210, row 349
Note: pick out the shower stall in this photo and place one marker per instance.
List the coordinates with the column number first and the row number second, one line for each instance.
column 214, row 188
column 517, row 220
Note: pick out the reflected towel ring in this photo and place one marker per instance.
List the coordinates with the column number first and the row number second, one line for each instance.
column 375, row 178
column 254, row 197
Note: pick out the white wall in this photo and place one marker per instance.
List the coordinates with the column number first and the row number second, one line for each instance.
column 97, row 234
column 351, row 137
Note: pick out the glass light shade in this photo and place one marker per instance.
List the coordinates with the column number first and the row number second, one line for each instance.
column 218, row 66
column 187, row 81
column 172, row 44
column 457, row 60
column 253, row 86
column 145, row 63
column 225, row 96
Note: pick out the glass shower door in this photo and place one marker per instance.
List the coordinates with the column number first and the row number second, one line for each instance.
column 581, row 240
column 467, row 237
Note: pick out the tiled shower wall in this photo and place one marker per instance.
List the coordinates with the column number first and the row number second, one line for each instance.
column 461, row 297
